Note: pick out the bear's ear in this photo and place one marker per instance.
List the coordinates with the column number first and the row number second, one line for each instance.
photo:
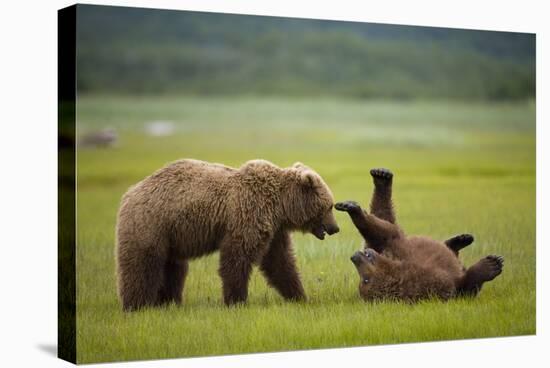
column 298, row 165
column 308, row 178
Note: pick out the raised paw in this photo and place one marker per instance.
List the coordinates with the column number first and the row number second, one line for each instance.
column 381, row 176
column 458, row 242
column 490, row 267
column 464, row 239
column 347, row 206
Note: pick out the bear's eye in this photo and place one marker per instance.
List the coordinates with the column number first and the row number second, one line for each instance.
column 365, row 280
column 369, row 256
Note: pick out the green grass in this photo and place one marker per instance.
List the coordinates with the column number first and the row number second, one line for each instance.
column 460, row 167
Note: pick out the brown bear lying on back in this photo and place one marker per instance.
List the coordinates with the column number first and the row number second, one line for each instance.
column 396, row 266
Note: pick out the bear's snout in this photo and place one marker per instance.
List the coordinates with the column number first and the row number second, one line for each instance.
column 332, row 229
column 357, row 258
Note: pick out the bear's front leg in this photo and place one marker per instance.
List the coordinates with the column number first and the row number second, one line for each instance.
column 377, row 233
column 279, row 267
column 381, row 204
column 234, row 271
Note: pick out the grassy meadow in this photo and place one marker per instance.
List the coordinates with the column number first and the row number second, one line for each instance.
column 459, row 167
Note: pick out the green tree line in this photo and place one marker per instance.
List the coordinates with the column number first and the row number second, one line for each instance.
column 144, row 51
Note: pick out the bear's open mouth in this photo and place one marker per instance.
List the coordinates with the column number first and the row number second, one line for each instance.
column 319, row 232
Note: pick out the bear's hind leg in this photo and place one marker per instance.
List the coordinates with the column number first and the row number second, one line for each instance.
column 484, row 270
column 175, row 272
column 279, row 267
column 456, row 243
column 381, row 204
column 140, row 275
column 235, row 269
column 377, row 233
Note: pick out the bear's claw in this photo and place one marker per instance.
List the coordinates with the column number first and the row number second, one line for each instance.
column 465, row 239
column 381, row 173
column 498, row 260
column 493, row 265
column 458, row 242
column 347, row 206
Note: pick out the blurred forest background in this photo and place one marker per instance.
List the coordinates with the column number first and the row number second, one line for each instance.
column 147, row 51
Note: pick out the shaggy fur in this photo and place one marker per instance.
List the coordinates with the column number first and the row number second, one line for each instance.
column 191, row 208
column 386, row 278
column 394, row 265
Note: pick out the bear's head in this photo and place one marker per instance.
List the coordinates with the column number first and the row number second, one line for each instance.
column 378, row 275
column 308, row 203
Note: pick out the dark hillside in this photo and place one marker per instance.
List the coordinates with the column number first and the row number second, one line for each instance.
column 142, row 51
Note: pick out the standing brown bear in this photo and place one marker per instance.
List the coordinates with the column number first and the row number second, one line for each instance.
column 394, row 265
column 192, row 208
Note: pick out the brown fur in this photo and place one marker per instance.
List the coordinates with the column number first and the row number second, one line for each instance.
column 192, row 208
column 394, row 265
column 386, row 278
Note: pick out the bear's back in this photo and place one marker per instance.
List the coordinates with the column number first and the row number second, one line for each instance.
column 185, row 186
column 407, row 280
column 194, row 171
column 187, row 175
